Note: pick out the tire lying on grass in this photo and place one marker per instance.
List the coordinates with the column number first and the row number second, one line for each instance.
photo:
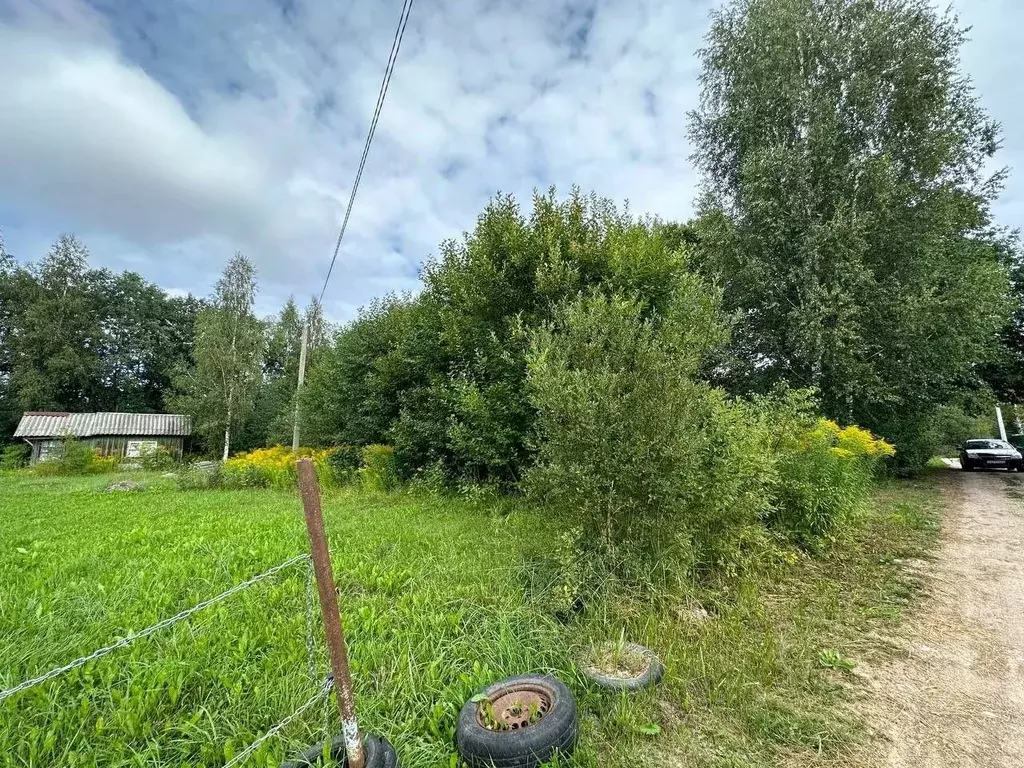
column 639, row 667
column 520, row 722
column 378, row 752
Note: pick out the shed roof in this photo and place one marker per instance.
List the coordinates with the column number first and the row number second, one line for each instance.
column 45, row 424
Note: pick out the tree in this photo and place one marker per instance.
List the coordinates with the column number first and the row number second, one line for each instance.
column 631, row 448
column 1004, row 372
column 846, row 210
column 12, row 301
column 142, row 341
column 56, row 348
column 443, row 376
column 219, row 390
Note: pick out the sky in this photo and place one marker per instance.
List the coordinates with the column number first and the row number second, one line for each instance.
column 167, row 134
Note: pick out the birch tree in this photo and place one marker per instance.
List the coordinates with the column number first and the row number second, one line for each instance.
column 219, row 391
column 847, row 167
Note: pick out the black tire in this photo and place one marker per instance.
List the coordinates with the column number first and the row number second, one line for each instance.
column 966, row 466
column 378, row 751
column 651, row 676
column 554, row 733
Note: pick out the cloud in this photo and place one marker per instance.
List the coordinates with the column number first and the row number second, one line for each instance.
column 170, row 134
column 86, row 133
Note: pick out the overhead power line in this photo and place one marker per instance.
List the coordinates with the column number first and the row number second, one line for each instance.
column 382, row 94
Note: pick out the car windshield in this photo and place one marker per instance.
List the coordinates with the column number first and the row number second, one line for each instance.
column 974, row 445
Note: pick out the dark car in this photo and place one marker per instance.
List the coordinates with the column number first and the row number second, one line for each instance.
column 985, row 453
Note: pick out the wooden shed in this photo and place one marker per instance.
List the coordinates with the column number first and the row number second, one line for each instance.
column 124, row 435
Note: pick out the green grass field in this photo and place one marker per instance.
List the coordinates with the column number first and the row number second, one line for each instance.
column 434, row 605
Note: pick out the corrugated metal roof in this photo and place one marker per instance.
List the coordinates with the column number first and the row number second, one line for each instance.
column 91, row 424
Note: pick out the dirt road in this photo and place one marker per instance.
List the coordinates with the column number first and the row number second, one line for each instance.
column 958, row 698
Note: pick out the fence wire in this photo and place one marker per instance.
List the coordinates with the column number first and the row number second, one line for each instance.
column 325, row 689
column 125, row 641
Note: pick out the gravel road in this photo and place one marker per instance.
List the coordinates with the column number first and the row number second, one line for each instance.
column 957, row 699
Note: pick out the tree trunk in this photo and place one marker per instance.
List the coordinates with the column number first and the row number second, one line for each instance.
column 227, row 423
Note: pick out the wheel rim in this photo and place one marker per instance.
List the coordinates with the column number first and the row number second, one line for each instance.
column 516, row 708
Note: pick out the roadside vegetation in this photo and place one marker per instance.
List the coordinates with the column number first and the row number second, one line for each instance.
column 439, row 596
column 588, row 425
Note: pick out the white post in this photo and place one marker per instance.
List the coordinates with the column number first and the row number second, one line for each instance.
column 999, row 420
column 298, row 387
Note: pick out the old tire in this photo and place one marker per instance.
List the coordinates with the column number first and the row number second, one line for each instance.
column 378, row 750
column 527, row 746
column 651, row 676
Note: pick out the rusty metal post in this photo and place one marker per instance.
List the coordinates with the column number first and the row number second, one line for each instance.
column 321, row 556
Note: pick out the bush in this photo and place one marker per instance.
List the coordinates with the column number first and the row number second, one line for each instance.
column 824, row 474
column 14, row 456
column 442, row 376
column 201, row 478
column 160, row 459
column 273, row 467
column 344, row 462
column 648, row 466
column 379, row 471
column 76, row 458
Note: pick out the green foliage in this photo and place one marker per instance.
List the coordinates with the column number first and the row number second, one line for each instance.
column 74, row 338
column 274, row 467
column 430, row 600
column 58, row 330
column 220, row 389
column 644, row 463
column 161, row 459
column 950, row 425
column 847, row 207
column 379, row 471
column 14, row 456
column 442, row 376
column 825, row 475
column 344, row 461
column 195, row 478
column 75, row 458
column 353, row 396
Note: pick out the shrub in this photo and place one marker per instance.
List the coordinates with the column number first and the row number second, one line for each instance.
column 199, row 477
column 160, row 459
column 647, row 465
column 273, row 467
column 344, row 462
column 379, row 471
column 76, row 458
column 824, row 474
column 14, row 456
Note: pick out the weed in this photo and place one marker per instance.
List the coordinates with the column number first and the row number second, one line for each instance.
column 833, row 659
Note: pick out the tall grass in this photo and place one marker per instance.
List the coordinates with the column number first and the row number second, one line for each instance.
column 435, row 605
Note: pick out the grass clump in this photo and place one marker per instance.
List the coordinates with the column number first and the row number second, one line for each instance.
column 379, row 472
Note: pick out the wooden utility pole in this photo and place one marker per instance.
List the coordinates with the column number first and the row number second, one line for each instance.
column 298, row 388
column 321, row 557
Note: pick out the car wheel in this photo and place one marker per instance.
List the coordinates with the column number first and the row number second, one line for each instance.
column 521, row 722
column 377, row 751
column 651, row 675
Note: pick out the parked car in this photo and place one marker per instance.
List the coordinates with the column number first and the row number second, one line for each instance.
column 985, row 453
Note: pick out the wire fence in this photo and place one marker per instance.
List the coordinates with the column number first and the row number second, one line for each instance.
column 128, row 640
column 323, row 689
column 320, row 695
